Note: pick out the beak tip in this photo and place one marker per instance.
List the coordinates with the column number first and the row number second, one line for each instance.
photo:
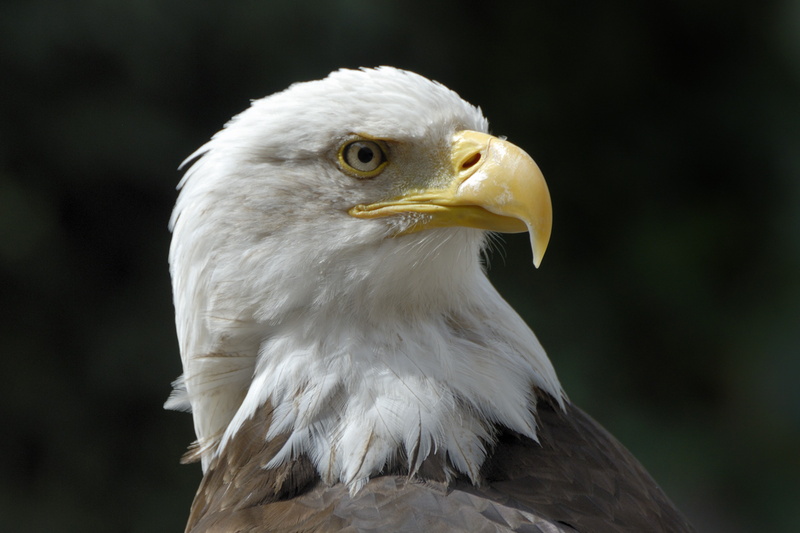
column 538, row 245
column 537, row 260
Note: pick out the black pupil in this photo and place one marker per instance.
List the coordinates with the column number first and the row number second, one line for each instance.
column 365, row 154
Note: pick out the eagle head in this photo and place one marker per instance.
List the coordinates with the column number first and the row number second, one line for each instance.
column 326, row 269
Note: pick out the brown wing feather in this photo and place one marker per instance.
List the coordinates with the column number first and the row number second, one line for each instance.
column 577, row 475
column 577, row 478
column 237, row 481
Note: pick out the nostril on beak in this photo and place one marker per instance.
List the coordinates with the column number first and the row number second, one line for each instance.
column 471, row 161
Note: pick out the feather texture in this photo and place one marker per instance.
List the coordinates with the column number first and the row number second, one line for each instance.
column 577, row 478
column 347, row 374
column 366, row 346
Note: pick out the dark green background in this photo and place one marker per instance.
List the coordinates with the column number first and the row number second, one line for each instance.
column 669, row 299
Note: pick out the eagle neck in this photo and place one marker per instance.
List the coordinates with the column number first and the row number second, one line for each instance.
column 358, row 388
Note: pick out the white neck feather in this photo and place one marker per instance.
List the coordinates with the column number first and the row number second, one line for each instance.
column 437, row 361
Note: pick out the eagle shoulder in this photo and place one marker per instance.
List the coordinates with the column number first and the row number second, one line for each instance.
column 576, row 478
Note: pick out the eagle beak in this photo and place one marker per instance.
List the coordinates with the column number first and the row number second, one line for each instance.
column 494, row 185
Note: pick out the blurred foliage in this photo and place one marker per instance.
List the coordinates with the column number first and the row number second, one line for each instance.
column 669, row 299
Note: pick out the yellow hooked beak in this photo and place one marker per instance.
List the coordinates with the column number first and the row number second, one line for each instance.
column 494, row 186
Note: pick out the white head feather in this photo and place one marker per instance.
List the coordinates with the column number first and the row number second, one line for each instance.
column 367, row 346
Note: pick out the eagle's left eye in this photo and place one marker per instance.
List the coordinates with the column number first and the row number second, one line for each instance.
column 363, row 158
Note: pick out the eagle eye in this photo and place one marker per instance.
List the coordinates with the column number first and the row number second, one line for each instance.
column 363, row 158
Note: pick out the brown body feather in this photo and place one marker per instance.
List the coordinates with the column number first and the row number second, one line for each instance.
column 576, row 478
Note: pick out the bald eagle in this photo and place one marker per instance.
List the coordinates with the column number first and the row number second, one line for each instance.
column 348, row 365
